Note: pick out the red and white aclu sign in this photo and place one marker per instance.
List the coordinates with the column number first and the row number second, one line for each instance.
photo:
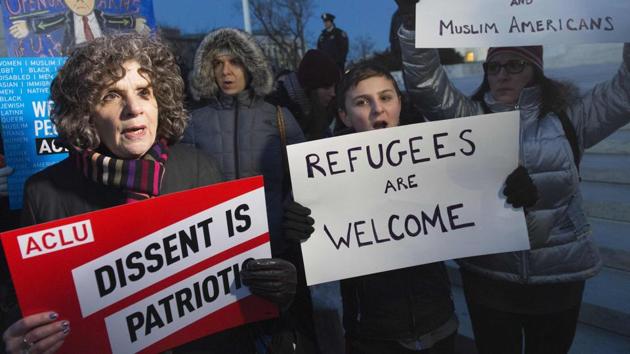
column 146, row 276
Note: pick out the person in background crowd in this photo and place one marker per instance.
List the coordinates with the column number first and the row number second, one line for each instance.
column 309, row 93
column 246, row 135
column 119, row 109
column 533, row 297
column 333, row 41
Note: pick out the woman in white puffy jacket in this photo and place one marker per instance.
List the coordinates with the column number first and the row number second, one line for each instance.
column 528, row 296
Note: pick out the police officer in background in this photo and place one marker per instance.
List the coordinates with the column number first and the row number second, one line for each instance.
column 333, row 41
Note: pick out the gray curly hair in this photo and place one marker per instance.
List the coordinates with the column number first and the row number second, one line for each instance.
column 94, row 66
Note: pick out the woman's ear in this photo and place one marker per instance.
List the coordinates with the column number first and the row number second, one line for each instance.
column 344, row 118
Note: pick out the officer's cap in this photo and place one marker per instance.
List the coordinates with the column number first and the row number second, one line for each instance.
column 328, row 17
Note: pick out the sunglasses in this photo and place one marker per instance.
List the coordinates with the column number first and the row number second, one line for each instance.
column 511, row 67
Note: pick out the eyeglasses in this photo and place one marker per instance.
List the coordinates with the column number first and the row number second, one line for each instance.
column 511, row 67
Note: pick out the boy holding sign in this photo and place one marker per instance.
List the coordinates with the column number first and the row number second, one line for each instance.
column 405, row 310
column 528, row 296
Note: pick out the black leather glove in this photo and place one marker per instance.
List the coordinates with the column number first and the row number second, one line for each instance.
column 407, row 12
column 273, row 279
column 520, row 190
column 297, row 224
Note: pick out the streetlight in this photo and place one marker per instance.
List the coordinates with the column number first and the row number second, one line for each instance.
column 248, row 25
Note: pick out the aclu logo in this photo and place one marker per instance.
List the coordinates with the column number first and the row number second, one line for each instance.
column 49, row 146
column 55, row 239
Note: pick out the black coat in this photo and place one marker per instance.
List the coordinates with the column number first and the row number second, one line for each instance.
column 398, row 304
column 335, row 44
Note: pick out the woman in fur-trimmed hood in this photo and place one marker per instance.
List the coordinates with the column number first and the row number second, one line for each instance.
column 237, row 127
column 240, row 130
column 239, row 44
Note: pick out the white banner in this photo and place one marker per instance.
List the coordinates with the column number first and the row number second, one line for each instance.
column 486, row 23
column 165, row 252
column 409, row 195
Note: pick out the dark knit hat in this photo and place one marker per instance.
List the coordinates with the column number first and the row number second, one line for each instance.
column 328, row 17
column 317, row 70
column 533, row 54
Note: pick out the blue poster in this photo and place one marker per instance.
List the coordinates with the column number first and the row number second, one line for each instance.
column 50, row 28
column 28, row 133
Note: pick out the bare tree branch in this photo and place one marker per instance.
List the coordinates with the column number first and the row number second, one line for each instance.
column 283, row 22
column 362, row 47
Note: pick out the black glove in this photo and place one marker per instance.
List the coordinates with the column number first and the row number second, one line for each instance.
column 520, row 190
column 407, row 12
column 273, row 279
column 297, row 224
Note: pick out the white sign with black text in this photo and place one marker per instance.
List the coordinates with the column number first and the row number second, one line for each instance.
column 486, row 23
column 410, row 195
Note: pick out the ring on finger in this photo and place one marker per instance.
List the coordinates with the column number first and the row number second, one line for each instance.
column 26, row 345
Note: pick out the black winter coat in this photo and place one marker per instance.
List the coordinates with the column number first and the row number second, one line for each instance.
column 335, row 44
column 398, row 304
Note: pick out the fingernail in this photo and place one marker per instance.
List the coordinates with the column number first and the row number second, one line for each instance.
column 65, row 324
column 53, row 316
column 66, row 330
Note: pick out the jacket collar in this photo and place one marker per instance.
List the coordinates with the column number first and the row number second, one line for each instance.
column 529, row 100
column 244, row 98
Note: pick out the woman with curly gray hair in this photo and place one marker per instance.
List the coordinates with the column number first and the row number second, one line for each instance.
column 119, row 110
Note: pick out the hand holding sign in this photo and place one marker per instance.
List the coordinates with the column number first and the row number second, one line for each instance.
column 273, row 279
column 298, row 224
column 38, row 333
column 520, row 190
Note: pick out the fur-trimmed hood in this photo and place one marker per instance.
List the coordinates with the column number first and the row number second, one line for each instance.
column 243, row 46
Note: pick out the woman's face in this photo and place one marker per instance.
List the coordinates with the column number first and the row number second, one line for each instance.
column 230, row 74
column 324, row 95
column 372, row 104
column 505, row 87
column 126, row 117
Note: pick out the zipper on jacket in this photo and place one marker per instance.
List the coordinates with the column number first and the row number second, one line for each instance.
column 412, row 307
column 521, row 161
column 524, row 268
column 358, row 298
column 237, row 173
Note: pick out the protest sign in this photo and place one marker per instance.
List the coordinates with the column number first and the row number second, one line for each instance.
column 146, row 276
column 28, row 134
column 409, row 195
column 52, row 28
column 486, row 23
